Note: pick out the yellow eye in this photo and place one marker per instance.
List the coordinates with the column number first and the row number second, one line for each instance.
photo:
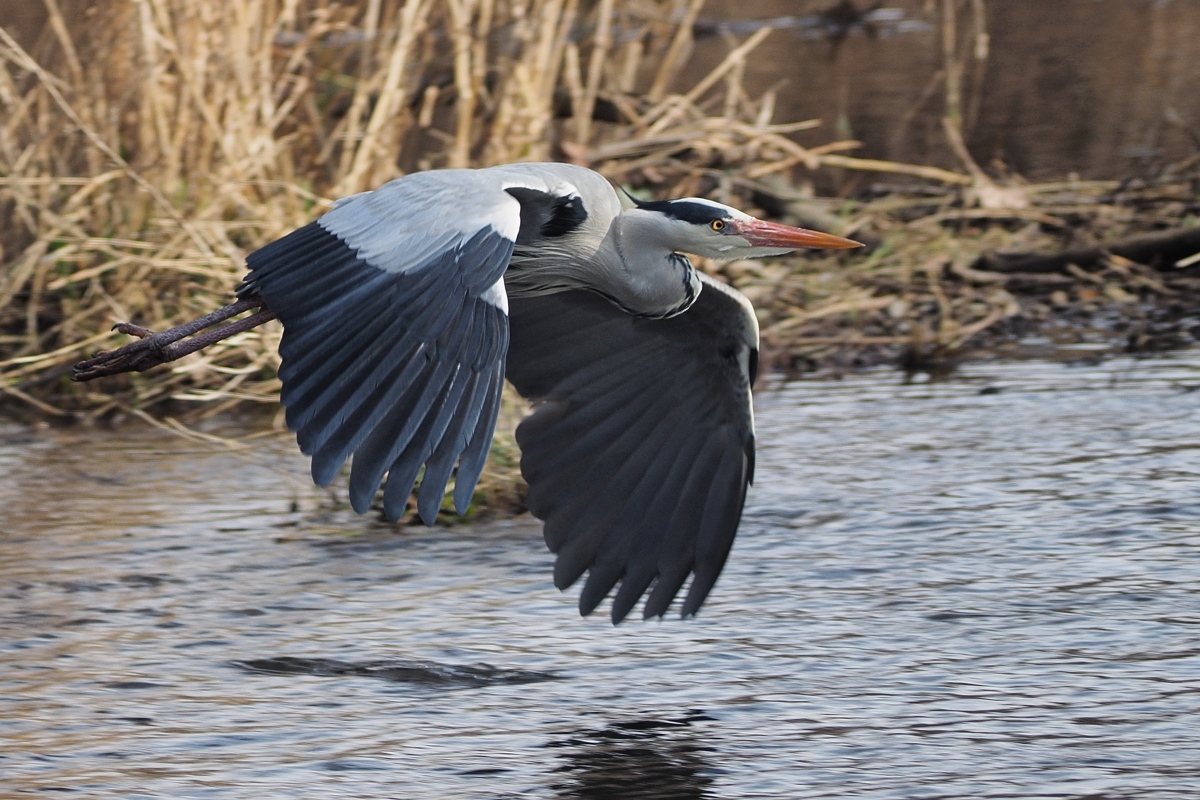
column 717, row 225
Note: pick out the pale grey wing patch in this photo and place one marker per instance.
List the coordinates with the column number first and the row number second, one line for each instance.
column 399, row 368
column 409, row 221
column 639, row 451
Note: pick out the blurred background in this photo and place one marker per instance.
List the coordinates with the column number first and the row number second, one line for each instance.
column 146, row 147
column 1096, row 88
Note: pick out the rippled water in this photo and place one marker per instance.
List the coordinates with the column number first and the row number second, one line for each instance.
column 986, row 587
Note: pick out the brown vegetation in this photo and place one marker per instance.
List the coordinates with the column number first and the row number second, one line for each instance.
column 146, row 147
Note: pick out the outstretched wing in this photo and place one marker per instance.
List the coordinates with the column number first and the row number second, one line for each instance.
column 394, row 333
column 641, row 447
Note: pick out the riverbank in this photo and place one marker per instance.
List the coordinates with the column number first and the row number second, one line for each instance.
column 144, row 156
column 940, row 281
column 1103, row 262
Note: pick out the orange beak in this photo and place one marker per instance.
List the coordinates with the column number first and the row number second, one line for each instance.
column 770, row 234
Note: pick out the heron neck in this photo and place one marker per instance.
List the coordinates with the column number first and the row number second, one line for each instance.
column 639, row 270
column 631, row 266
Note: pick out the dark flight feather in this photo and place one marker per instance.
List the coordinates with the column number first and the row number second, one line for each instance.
column 635, row 453
column 397, row 365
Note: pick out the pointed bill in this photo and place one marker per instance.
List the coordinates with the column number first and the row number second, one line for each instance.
column 771, row 234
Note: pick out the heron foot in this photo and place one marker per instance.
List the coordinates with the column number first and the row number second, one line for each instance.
column 153, row 349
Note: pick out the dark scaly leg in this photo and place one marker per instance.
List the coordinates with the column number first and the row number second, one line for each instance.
column 153, row 349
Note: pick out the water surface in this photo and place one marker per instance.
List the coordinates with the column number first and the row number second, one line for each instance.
column 984, row 587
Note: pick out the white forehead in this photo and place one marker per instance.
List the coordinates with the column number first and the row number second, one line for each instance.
column 732, row 212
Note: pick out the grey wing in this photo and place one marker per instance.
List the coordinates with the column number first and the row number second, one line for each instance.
column 394, row 334
column 641, row 447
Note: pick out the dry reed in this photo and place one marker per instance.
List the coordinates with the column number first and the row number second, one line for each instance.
column 146, row 147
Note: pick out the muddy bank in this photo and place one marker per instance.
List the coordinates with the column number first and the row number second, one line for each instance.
column 1101, row 262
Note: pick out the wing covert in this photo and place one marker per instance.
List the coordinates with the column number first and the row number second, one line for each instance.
column 641, row 447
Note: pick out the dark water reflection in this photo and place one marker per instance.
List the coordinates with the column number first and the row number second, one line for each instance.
column 938, row 592
column 648, row 758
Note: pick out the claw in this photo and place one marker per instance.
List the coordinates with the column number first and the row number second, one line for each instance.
column 132, row 330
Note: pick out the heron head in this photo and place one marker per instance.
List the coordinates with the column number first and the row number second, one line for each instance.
column 713, row 230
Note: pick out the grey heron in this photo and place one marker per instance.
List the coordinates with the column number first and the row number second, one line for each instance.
column 405, row 308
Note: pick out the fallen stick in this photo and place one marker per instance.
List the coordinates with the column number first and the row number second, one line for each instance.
column 1162, row 251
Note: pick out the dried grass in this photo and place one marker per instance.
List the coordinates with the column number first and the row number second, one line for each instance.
column 147, row 147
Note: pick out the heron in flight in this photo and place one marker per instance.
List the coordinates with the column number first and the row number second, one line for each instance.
column 405, row 308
